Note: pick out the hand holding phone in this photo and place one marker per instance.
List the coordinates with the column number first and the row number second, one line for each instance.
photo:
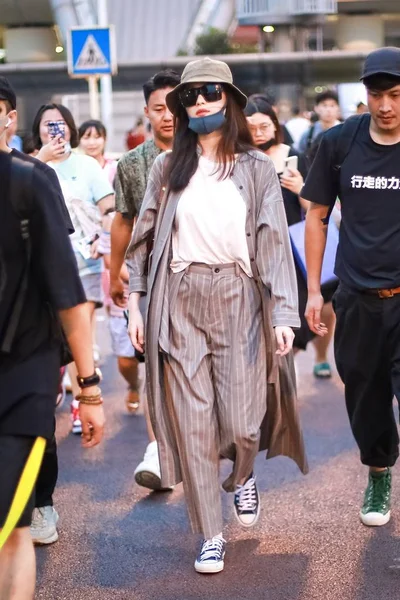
column 291, row 164
column 291, row 178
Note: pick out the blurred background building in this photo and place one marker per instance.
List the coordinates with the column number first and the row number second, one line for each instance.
column 291, row 48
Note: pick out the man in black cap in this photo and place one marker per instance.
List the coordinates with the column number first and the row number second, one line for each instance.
column 38, row 279
column 366, row 177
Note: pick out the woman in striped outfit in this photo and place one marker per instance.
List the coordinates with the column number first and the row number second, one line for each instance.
column 212, row 253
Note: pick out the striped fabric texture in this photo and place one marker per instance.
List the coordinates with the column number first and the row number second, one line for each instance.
column 215, row 382
column 273, row 272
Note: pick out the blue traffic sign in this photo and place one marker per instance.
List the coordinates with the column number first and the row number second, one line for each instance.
column 91, row 51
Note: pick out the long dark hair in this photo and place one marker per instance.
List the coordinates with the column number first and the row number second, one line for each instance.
column 258, row 103
column 235, row 139
column 66, row 115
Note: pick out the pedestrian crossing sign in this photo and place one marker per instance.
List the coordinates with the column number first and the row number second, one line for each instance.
column 91, row 51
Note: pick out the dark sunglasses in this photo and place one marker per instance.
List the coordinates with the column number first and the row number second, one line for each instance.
column 211, row 92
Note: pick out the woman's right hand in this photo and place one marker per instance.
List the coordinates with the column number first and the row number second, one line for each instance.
column 53, row 150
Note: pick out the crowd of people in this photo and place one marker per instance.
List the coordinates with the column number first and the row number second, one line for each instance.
column 187, row 242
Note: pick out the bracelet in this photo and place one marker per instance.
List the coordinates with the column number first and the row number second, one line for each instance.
column 91, row 402
column 89, row 397
column 97, row 394
column 85, row 382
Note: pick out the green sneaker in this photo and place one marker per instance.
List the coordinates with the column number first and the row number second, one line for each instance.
column 322, row 370
column 376, row 508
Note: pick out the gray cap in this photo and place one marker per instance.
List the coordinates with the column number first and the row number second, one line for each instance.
column 205, row 70
column 384, row 61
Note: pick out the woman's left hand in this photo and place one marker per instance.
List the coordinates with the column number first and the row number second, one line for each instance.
column 294, row 183
column 284, row 338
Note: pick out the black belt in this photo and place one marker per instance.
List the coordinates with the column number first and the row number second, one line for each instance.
column 383, row 293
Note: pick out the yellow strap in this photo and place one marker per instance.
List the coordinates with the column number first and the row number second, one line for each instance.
column 24, row 489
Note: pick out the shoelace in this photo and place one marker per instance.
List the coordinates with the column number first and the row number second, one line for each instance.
column 212, row 549
column 246, row 495
column 378, row 493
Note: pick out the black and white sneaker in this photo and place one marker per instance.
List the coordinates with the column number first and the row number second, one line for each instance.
column 247, row 503
column 211, row 556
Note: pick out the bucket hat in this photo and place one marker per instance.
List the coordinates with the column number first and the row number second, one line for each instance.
column 385, row 61
column 205, row 70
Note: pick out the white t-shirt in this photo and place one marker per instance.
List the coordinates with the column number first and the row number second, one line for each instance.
column 210, row 222
column 297, row 127
column 83, row 183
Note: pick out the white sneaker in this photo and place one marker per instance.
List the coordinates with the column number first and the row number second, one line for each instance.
column 148, row 472
column 96, row 354
column 43, row 527
column 211, row 556
column 67, row 382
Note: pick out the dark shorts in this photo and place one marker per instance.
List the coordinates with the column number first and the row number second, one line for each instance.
column 28, row 394
column 14, row 452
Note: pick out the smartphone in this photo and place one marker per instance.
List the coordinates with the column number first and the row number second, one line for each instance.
column 56, row 128
column 291, row 164
column 83, row 246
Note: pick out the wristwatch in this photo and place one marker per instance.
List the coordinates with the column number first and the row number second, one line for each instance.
column 85, row 382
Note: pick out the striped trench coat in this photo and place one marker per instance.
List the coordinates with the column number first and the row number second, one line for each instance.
column 273, row 269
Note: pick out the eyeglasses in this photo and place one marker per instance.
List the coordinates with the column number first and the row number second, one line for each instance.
column 264, row 128
column 211, row 92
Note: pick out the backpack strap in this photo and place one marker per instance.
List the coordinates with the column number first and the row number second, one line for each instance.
column 21, row 186
column 310, row 137
column 343, row 143
column 346, row 138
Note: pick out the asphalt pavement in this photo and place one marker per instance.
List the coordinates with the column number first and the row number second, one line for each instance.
column 119, row 542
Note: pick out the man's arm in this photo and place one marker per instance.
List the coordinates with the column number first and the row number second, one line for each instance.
column 121, row 234
column 76, row 324
column 321, row 190
column 315, row 242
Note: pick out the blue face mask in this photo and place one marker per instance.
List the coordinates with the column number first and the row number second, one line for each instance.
column 207, row 124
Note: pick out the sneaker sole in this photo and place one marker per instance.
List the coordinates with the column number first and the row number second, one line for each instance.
column 209, row 569
column 77, row 430
column 46, row 541
column 375, row 519
column 150, row 480
column 323, row 375
column 249, row 525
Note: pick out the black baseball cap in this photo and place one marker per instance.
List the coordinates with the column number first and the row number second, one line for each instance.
column 384, row 61
column 7, row 93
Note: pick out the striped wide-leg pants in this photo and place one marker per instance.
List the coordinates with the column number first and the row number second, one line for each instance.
column 215, row 379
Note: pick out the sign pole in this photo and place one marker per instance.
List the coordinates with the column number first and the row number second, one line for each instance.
column 94, row 97
column 106, row 99
column 92, row 54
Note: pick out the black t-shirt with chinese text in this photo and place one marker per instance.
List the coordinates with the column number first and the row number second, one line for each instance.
column 369, row 190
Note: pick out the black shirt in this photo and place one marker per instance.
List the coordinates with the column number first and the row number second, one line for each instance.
column 54, row 278
column 369, row 190
column 293, row 209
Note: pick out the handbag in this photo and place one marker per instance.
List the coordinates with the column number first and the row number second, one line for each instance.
column 297, row 239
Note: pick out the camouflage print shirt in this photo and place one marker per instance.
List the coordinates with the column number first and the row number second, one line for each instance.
column 132, row 176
